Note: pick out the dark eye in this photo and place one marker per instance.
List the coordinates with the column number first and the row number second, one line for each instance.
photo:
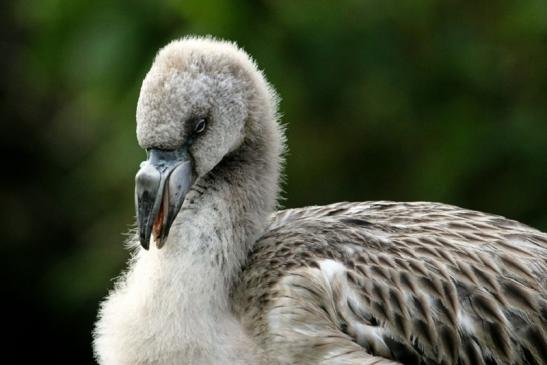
column 200, row 125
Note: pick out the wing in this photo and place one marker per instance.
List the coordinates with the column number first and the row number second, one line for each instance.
column 417, row 283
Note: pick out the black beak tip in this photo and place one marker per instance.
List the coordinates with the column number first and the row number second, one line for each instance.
column 145, row 243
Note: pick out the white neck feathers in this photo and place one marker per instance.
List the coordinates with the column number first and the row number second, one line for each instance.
column 173, row 306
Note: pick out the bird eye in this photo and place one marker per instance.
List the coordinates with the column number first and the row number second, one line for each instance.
column 200, row 125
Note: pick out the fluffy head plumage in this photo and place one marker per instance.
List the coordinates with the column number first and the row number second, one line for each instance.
column 203, row 77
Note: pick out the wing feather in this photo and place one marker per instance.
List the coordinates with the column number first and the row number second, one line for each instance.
column 417, row 283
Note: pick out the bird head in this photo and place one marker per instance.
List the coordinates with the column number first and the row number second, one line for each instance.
column 193, row 110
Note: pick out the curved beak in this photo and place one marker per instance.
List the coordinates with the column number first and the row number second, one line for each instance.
column 161, row 184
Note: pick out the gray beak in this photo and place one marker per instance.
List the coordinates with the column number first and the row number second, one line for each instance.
column 160, row 187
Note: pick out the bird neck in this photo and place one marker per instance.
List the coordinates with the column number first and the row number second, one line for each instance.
column 184, row 288
column 223, row 215
column 174, row 302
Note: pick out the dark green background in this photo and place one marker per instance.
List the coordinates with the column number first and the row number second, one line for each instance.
column 386, row 99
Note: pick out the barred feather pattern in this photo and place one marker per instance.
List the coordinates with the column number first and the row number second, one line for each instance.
column 396, row 283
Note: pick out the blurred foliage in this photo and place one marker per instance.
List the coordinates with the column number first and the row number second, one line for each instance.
column 383, row 99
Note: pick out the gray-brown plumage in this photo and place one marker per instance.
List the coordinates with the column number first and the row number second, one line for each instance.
column 419, row 283
column 221, row 278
